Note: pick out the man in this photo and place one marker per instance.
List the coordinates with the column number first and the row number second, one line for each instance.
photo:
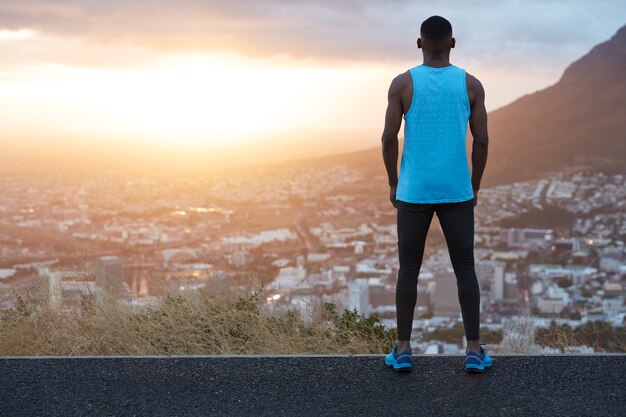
column 436, row 100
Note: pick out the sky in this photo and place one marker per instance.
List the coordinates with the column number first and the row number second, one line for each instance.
column 195, row 71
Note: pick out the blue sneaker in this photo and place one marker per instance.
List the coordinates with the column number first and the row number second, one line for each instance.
column 399, row 361
column 477, row 362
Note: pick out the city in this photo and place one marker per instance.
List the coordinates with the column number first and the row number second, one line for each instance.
column 548, row 252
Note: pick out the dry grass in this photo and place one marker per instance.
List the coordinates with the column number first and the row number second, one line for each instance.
column 599, row 335
column 518, row 335
column 522, row 335
column 216, row 321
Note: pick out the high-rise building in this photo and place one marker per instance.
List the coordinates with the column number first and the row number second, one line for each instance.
column 497, row 285
column 110, row 273
column 358, row 296
column 510, row 285
column 51, row 287
column 446, row 299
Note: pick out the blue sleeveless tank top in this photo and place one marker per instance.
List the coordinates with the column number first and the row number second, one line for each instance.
column 434, row 166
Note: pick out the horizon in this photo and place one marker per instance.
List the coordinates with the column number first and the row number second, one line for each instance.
column 259, row 76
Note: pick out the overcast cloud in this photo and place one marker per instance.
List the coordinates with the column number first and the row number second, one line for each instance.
column 488, row 32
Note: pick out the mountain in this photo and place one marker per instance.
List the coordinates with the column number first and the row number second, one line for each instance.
column 579, row 122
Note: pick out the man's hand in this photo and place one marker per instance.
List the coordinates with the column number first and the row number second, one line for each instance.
column 392, row 195
column 475, row 196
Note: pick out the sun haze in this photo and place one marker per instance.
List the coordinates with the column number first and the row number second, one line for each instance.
column 216, row 74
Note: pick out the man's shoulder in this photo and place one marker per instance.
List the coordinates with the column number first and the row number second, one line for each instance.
column 473, row 83
column 401, row 81
column 403, row 78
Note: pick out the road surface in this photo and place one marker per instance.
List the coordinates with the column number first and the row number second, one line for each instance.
column 311, row 386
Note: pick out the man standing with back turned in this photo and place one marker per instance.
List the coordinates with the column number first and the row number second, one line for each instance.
column 436, row 99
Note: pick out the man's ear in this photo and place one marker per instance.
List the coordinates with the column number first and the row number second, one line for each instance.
column 452, row 43
column 419, row 43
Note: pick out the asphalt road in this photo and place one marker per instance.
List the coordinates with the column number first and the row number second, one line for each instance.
column 311, row 386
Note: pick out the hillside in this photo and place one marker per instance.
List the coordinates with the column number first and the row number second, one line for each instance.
column 578, row 122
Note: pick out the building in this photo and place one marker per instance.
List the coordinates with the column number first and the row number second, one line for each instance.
column 110, row 273
column 515, row 237
column 51, row 288
column 497, row 285
column 565, row 245
column 358, row 296
column 550, row 305
column 178, row 255
column 288, row 278
column 446, row 299
column 510, row 286
column 613, row 306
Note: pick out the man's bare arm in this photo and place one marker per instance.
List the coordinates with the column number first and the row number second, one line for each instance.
column 478, row 127
column 393, row 120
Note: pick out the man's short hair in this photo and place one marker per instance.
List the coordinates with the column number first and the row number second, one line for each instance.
column 436, row 28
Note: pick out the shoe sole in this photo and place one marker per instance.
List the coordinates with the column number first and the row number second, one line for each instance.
column 476, row 369
column 405, row 367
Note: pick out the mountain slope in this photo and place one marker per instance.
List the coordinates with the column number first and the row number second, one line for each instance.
column 578, row 122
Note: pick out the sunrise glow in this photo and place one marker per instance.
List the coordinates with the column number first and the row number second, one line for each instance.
column 225, row 74
column 191, row 97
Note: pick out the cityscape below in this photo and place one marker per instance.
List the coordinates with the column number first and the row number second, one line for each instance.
column 548, row 252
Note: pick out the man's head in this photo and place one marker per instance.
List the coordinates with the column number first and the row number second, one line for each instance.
column 436, row 35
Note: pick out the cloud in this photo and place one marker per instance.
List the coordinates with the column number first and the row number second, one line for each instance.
column 15, row 35
column 497, row 32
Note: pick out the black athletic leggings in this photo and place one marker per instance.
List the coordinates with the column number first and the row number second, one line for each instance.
column 457, row 223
